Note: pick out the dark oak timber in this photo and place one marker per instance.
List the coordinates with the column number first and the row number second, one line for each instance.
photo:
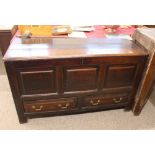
column 66, row 76
column 6, row 34
column 145, row 38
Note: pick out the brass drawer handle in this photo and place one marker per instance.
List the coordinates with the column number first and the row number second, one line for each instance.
column 64, row 106
column 37, row 109
column 95, row 103
column 117, row 100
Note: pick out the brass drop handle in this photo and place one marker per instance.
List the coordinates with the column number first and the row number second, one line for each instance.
column 117, row 100
column 64, row 106
column 95, row 103
column 37, row 109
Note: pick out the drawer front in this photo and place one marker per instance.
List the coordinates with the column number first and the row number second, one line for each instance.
column 105, row 100
column 50, row 105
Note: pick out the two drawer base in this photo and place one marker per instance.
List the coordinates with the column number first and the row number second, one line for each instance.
column 74, row 105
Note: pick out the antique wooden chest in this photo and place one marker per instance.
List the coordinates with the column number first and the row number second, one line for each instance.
column 58, row 76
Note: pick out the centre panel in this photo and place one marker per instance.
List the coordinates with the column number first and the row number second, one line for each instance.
column 80, row 79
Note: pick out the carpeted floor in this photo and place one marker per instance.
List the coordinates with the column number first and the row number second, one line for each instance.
column 113, row 119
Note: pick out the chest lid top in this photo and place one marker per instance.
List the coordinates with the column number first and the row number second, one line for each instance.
column 54, row 48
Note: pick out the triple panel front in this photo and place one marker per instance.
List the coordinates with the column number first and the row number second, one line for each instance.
column 64, row 86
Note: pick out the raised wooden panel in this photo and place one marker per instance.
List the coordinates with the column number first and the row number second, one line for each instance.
column 120, row 76
column 38, row 81
column 80, row 79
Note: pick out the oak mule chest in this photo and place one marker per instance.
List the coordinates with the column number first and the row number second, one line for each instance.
column 66, row 76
